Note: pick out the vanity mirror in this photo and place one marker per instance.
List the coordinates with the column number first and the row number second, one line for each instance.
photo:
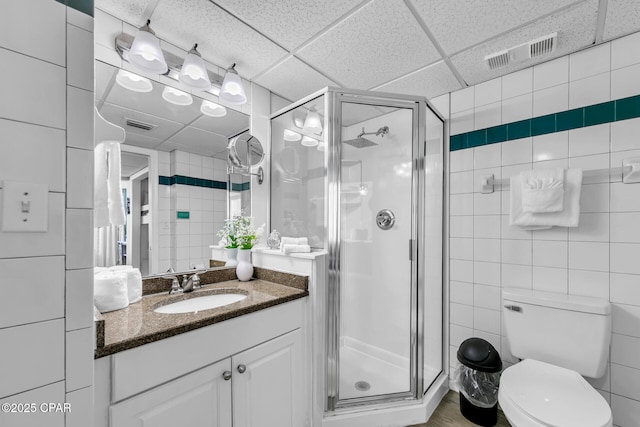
column 175, row 181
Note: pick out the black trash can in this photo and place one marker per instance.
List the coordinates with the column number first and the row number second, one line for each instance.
column 478, row 377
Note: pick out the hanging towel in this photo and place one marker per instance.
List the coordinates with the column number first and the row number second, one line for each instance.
column 568, row 217
column 108, row 204
column 110, row 291
column 289, row 249
column 542, row 190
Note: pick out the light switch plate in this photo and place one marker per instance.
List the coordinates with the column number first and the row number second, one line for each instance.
column 25, row 207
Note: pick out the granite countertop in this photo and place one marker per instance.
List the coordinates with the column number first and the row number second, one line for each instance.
column 138, row 324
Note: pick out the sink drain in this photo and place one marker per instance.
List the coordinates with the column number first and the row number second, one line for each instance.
column 362, row 386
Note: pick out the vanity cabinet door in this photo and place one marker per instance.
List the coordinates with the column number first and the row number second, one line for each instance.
column 267, row 384
column 199, row 399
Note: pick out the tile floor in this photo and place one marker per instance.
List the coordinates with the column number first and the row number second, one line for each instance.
column 448, row 415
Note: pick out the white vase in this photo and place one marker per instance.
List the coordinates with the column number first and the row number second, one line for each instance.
column 244, row 269
column 232, row 254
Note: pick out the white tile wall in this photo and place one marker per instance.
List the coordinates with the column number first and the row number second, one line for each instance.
column 47, row 140
column 79, row 361
column 600, row 257
column 25, row 349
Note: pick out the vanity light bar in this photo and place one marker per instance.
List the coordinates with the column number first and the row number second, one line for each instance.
column 174, row 62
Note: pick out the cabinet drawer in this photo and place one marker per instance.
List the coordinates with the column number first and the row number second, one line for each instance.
column 145, row 367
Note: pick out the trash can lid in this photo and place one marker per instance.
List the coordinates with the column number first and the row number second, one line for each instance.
column 480, row 355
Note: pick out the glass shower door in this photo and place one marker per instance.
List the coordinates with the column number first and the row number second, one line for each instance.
column 377, row 286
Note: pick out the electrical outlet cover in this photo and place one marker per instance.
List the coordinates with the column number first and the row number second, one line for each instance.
column 25, row 207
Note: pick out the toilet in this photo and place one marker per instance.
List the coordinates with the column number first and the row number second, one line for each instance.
column 560, row 338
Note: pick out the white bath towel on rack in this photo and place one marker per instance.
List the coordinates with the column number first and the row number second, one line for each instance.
column 568, row 217
column 542, row 190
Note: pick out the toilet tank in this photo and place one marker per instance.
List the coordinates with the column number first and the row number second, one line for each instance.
column 564, row 330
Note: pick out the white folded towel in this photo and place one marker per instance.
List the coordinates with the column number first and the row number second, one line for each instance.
column 293, row 241
column 134, row 281
column 288, row 249
column 542, row 190
column 568, row 217
column 110, row 291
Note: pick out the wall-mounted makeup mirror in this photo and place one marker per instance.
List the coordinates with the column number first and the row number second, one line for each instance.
column 174, row 169
column 245, row 151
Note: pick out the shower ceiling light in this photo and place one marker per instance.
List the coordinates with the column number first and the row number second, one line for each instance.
column 232, row 90
column 363, row 190
column 176, row 96
column 312, row 122
column 290, row 135
column 145, row 52
column 212, row 109
column 133, row 82
column 307, row 141
column 193, row 72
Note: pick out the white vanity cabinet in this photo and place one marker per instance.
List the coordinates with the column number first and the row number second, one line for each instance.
column 200, row 399
column 249, row 371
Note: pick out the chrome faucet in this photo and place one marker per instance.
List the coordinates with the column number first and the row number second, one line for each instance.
column 190, row 284
column 175, row 285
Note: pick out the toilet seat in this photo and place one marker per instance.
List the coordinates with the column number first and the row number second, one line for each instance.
column 537, row 394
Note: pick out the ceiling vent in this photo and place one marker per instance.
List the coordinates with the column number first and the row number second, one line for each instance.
column 532, row 49
column 139, row 125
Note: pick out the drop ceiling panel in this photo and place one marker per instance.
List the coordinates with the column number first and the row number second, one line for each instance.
column 199, row 139
column 153, row 103
column 222, row 39
column 230, row 125
column 289, row 23
column 429, row 82
column 623, row 17
column 138, row 140
column 353, row 113
column 294, row 79
column 196, row 141
column 576, row 30
column 378, row 43
column 130, row 11
column 457, row 25
column 117, row 115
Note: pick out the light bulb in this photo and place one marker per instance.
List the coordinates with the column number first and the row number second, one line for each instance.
column 232, row 90
column 321, row 146
column 312, row 122
column 290, row 135
column 212, row 109
column 145, row 52
column 363, row 190
column 194, row 72
column 133, row 81
column 176, row 96
column 309, row 142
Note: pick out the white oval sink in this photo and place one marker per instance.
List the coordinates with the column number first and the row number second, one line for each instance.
column 200, row 303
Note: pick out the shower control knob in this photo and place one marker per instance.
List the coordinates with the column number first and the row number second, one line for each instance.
column 226, row 375
column 385, row 219
column 242, row 369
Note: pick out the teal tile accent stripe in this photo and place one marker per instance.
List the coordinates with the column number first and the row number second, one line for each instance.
column 195, row 182
column 244, row 186
column 606, row 112
column 182, row 214
column 84, row 6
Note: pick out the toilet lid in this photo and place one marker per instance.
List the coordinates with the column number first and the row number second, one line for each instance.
column 554, row 396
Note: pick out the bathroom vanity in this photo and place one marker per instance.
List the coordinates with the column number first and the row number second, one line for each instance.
column 238, row 365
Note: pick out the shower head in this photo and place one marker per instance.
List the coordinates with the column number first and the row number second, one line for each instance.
column 360, row 142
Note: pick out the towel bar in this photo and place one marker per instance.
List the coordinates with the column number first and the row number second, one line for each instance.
column 628, row 173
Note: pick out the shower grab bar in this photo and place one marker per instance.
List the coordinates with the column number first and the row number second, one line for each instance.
column 628, row 173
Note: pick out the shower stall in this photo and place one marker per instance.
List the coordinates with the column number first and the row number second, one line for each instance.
column 361, row 175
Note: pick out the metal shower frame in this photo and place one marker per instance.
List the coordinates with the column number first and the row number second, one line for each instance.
column 334, row 97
